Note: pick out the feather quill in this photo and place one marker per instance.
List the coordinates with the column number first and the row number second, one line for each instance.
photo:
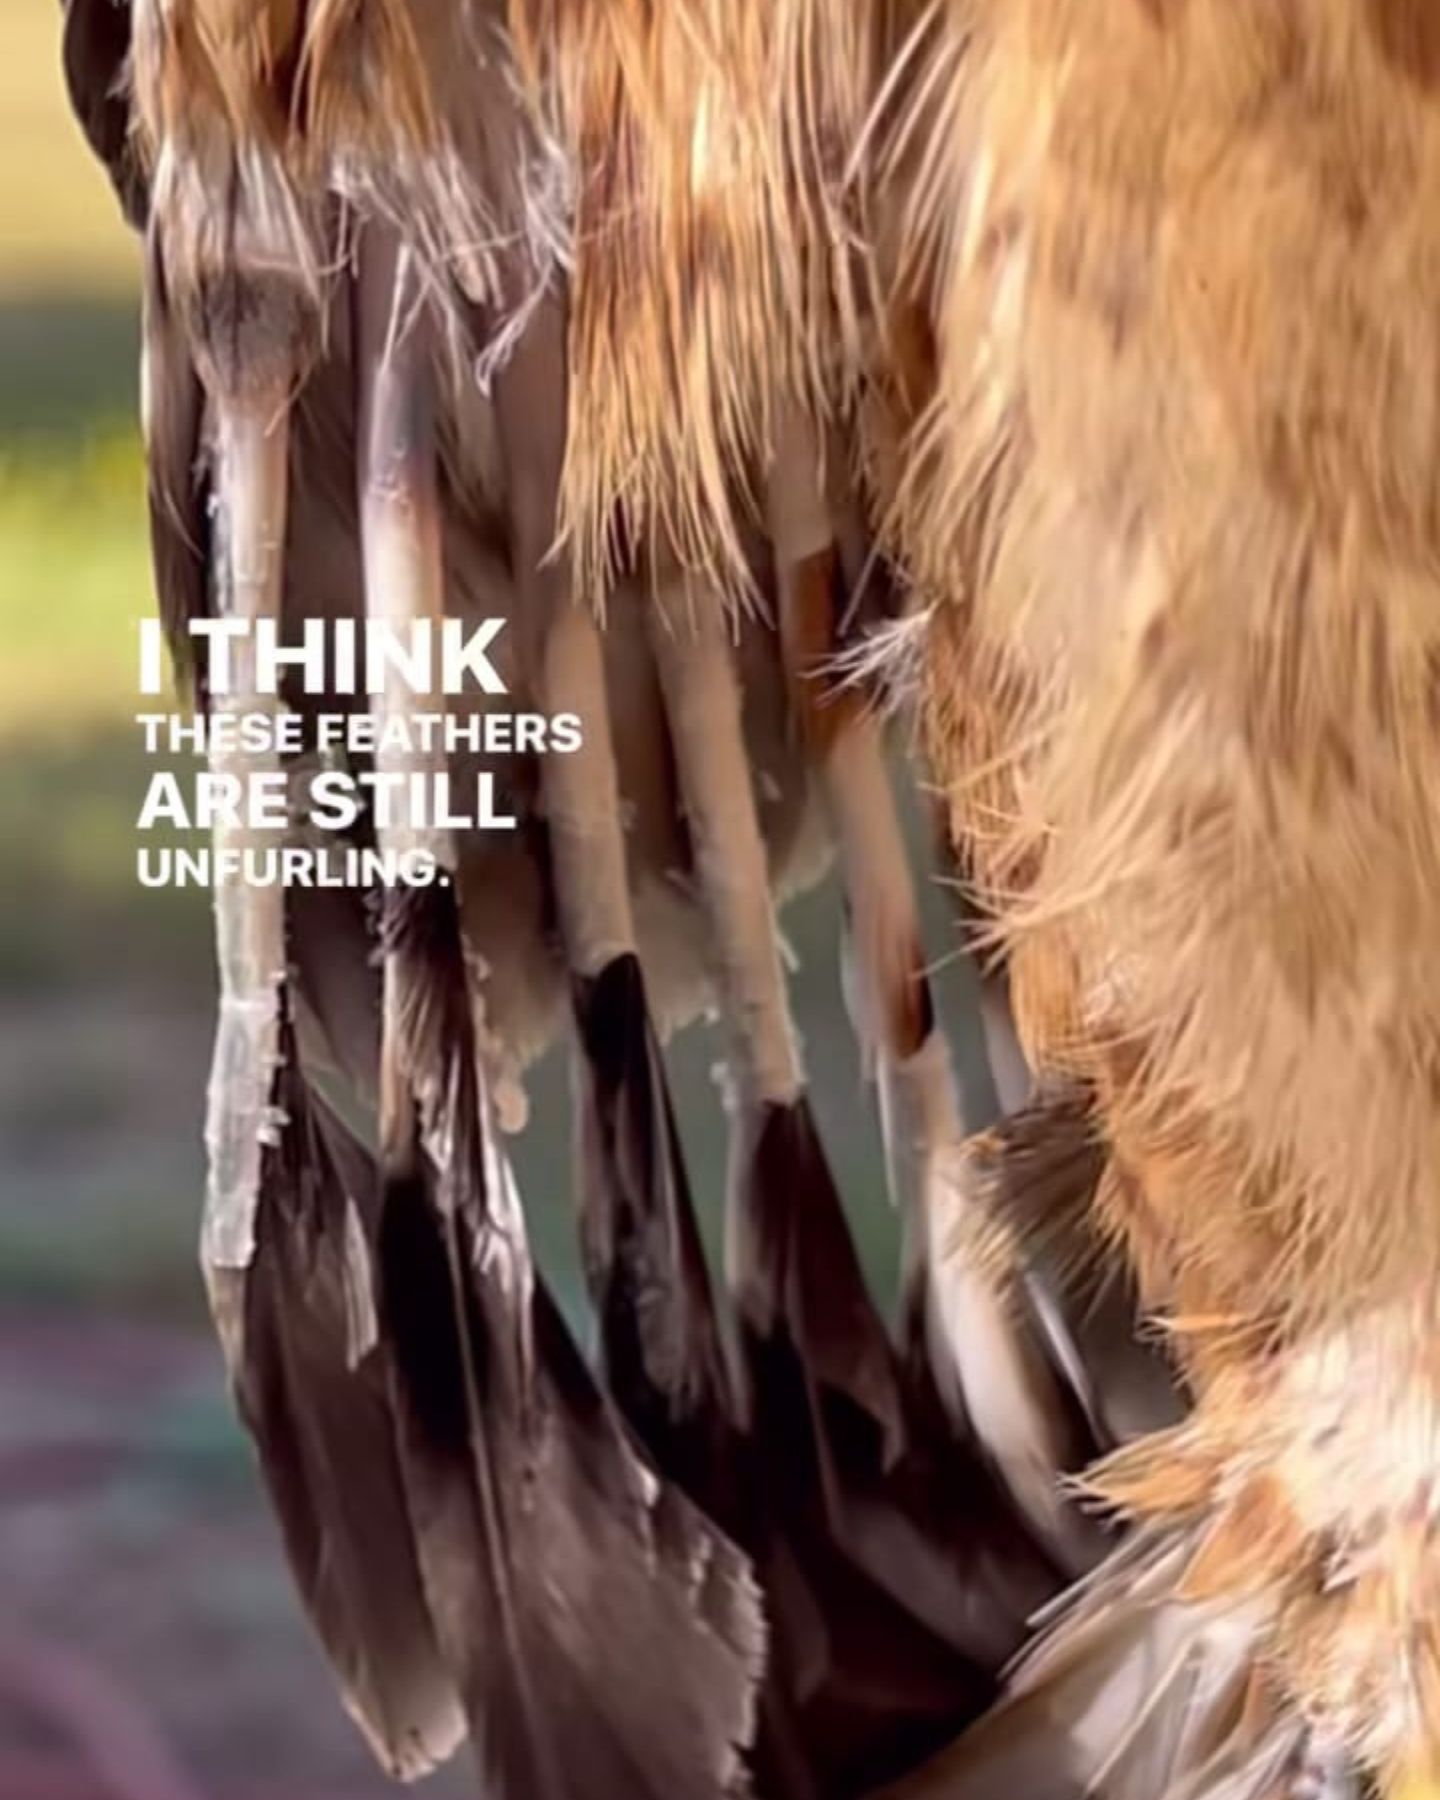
column 554, row 1559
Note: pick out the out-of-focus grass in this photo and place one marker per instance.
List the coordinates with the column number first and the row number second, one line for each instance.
column 73, row 576
column 74, row 582
column 104, row 987
column 71, row 367
column 74, row 913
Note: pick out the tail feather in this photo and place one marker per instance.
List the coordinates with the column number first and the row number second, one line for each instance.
column 289, row 1206
column 660, row 1341
column 525, row 1489
column 313, row 1390
column 967, row 1341
column 856, row 1595
column 526, row 1493
column 867, row 1575
column 897, row 1593
column 1135, row 1694
column 660, row 1338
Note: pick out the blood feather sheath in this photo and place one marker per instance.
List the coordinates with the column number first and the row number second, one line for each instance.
column 1116, row 322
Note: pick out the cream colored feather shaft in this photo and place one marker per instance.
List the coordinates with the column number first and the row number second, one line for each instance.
column 973, row 1295
column 399, row 499
column 579, row 790
column 688, row 633
column 846, row 743
column 1009, row 1070
column 582, row 800
column 885, row 988
column 253, row 473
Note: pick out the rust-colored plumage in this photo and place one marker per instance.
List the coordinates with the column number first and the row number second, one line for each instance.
column 1172, row 502
column 1070, row 367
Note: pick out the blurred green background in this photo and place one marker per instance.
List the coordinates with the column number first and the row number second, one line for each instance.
column 150, row 1646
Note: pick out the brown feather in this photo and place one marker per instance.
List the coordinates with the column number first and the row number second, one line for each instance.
column 313, row 1388
column 663, row 1356
column 1173, row 516
column 899, row 1577
column 95, row 49
column 528, row 1492
column 178, row 480
column 1133, row 1695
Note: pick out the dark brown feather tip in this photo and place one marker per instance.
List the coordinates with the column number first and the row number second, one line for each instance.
column 645, row 1265
column 526, row 1490
column 899, row 1580
column 315, row 1396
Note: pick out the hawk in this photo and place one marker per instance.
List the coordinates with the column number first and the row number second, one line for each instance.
column 1063, row 373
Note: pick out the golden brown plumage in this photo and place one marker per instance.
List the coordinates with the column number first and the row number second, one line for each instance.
column 1174, row 507
column 707, row 227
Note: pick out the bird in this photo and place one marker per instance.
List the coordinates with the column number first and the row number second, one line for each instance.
column 1061, row 373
